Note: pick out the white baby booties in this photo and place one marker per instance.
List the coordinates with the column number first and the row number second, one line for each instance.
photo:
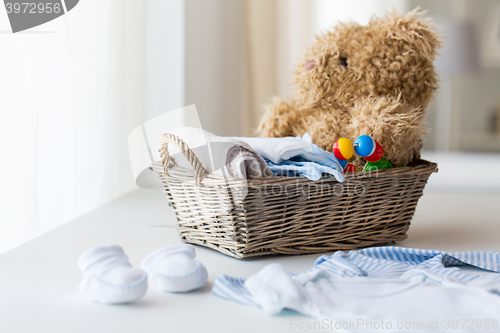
column 174, row 268
column 108, row 276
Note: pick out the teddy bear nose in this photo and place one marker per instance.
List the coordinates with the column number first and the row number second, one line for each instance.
column 310, row 64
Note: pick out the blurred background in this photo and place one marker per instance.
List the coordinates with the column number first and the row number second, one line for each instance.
column 74, row 88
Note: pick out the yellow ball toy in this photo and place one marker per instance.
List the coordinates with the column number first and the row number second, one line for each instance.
column 343, row 149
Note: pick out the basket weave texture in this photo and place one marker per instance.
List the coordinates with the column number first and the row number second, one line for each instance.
column 287, row 215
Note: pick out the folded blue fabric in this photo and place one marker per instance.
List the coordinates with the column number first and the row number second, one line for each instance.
column 298, row 167
column 297, row 156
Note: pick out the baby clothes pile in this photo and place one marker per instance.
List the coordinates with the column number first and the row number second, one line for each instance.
column 296, row 156
column 242, row 157
column 396, row 285
column 221, row 156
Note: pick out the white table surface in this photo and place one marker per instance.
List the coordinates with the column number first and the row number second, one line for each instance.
column 39, row 280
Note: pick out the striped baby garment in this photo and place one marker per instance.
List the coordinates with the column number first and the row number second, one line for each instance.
column 401, row 287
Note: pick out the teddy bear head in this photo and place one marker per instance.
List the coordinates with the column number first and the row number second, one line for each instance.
column 391, row 56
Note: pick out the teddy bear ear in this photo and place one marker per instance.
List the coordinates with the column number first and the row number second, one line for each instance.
column 411, row 28
column 310, row 65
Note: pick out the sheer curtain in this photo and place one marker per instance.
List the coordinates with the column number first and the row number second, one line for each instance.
column 71, row 92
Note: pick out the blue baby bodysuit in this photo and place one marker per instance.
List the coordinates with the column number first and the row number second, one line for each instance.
column 391, row 284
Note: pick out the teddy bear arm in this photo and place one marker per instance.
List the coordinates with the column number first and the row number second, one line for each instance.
column 280, row 119
column 396, row 125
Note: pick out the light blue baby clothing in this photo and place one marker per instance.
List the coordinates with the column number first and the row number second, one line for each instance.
column 299, row 167
column 292, row 156
column 390, row 284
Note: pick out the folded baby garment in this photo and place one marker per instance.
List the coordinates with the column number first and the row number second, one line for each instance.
column 299, row 167
column 174, row 268
column 401, row 288
column 223, row 156
column 292, row 156
column 109, row 278
column 279, row 149
column 242, row 157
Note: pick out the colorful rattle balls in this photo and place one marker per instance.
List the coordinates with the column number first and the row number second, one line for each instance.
column 365, row 145
column 377, row 154
column 342, row 149
column 350, row 168
column 343, row 163
column 368, row 148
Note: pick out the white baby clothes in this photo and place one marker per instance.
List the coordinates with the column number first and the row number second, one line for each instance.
column 403, row 289
column 222, row 156
column 174, row 268
column 284, row 148
column 246, row 157
column 108, row 276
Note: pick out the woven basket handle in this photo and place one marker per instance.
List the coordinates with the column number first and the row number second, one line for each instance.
column 199, row 169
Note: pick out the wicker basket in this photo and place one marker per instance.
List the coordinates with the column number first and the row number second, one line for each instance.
column 288, row 215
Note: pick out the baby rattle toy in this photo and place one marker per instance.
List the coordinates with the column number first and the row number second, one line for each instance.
column 372, row 152
column 343, row 151
column 366, row 147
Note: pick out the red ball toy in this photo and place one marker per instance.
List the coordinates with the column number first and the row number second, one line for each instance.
column 343, row 149
column 377, row 154
column 350, row 168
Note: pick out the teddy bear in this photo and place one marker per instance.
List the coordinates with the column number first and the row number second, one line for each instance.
column 376, row 80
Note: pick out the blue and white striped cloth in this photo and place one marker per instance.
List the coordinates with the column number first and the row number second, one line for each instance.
column 393, row 262
column 379, row 263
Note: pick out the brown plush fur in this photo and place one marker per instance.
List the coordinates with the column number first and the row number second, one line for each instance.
column 383, row 91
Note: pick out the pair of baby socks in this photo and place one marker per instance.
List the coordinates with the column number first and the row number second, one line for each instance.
column 109, row 278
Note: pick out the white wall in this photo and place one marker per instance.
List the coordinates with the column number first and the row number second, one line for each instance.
column 474, row 96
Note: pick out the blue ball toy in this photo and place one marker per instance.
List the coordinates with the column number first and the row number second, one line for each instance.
column 364, row 145
column 342, row 163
